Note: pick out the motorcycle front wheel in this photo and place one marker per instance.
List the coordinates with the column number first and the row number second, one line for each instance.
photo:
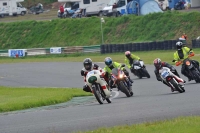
column 146, row 73
column 176, row 85
column 196, row 76
column 97, row 93
column 124, row 89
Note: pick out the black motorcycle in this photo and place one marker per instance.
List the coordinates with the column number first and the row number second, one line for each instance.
column 140, row 69
column 179, row 5
column 192, row 69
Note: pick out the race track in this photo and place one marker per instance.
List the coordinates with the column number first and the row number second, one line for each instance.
column 152, row 100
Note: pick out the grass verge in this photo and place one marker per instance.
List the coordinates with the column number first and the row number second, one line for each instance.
column 177, row 125
column 146, row 56
column 12, row 99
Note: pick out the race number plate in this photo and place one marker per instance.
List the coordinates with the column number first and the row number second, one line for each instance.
column 164, row 74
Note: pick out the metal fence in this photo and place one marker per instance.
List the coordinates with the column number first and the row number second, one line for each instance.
column 64, row 50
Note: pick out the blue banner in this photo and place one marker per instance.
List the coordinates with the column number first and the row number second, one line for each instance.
column 16, row 52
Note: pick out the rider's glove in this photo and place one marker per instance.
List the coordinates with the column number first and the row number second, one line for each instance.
column 82, row 73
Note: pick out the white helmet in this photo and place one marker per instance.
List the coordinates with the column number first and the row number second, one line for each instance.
column 179, row 44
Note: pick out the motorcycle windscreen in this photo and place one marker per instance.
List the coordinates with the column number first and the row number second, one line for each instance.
column 150, row 7
column 137, row 63
column 115, row 71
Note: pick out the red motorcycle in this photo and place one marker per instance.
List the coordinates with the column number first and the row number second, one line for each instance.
column 121, row 81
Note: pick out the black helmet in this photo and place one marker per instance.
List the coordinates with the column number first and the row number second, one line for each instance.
column 179, row 45
column 87, row 63
column 157, row 63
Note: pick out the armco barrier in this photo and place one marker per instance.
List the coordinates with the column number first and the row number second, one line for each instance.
column 91, row 49
column 64, row 50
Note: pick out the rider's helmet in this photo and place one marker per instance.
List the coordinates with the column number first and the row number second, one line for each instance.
column 87, row 63
column 127, row 54
column 157, row 63
column 108, row 61
column 179, row 45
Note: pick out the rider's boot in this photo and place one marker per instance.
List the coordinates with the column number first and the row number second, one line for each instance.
column 86, row 88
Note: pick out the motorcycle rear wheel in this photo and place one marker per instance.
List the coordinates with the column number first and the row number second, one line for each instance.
column 108, row 100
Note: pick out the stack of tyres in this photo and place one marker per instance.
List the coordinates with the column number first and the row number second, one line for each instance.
column 102, row 49
column 114, row 48
column 129, row 47
column 170, row 44
column 165, row 45
column 126, row 47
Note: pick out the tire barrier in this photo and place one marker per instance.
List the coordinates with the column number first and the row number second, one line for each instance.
column 121, row 48
column 165, row 45
column 195, row 43
column 102, row 47
column 145, row 46
column 170, row 44
column 129, row 47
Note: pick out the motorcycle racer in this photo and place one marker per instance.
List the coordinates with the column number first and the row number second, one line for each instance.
column 158, row 65
column 181, row 54
column 89, row 66
column 129, row 59
column 108, row 69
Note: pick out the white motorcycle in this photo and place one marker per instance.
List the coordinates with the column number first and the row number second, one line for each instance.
column 140, row 69
column 98, row 86
column 176, row 83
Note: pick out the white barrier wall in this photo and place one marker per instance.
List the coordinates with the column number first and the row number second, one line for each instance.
column 195, row 3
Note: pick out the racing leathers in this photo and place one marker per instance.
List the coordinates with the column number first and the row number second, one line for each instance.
column 172, row 69
column 182, row 54
column 129, row 60
column 165, row 64
column 108, row 70
column 84, row 73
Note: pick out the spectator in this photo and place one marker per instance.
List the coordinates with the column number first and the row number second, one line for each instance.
column 186, row 5
column 184, row 36
column 114, row 5
column 61, row 10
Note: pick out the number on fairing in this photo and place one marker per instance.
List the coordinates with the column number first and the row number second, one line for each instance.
column 164, row 74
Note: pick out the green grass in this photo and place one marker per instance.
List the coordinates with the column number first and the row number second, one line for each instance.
column 87, row 31
column 177, row 125
column 146, row 56
column 12, row 99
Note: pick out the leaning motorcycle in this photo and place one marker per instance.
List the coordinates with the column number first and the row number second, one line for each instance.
column 98, row 86
column 191, row 69
column 176, row 83
column 140, row 69
column 121, row 81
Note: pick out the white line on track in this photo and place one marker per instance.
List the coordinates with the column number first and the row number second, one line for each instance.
column 116, row 94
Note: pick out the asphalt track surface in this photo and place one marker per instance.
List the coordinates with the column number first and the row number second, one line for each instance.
column 152, row 101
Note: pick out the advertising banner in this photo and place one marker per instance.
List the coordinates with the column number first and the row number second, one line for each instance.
column 55, row 50
column 16, row 52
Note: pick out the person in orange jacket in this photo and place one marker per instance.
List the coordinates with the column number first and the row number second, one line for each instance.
column 184, row 36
